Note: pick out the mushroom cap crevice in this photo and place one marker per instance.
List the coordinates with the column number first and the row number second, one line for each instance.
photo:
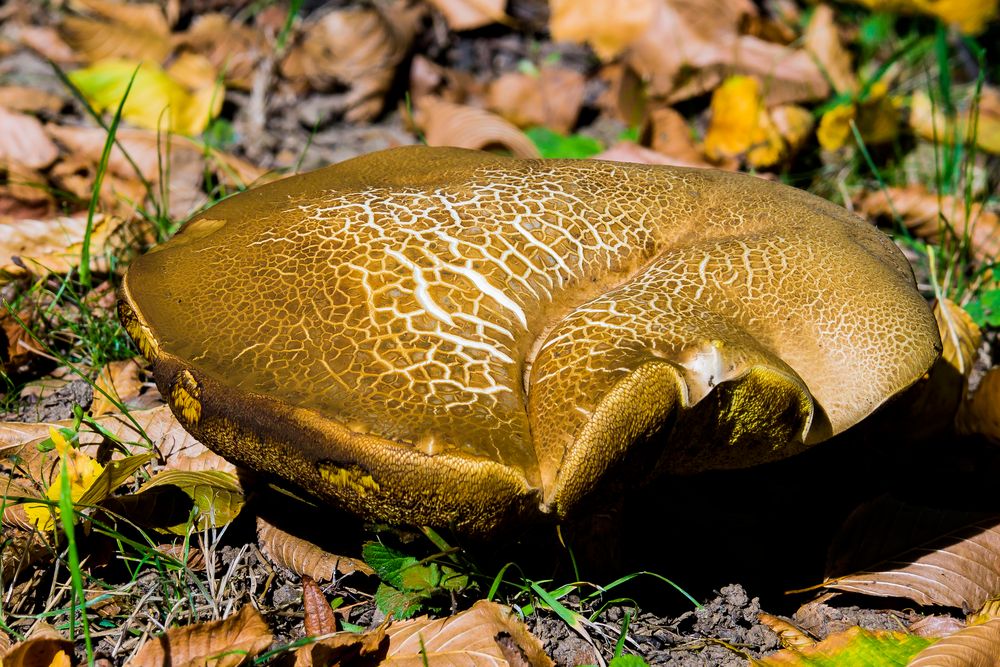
column 428, row 335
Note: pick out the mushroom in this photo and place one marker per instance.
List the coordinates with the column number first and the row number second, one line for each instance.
column 447, row 337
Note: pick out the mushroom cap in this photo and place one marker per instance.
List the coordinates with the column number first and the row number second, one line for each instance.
column 447, row 337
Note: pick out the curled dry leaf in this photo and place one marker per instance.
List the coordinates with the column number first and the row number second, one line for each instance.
column 822, row 40
column 355, row 48
column 232, row 48
column 45, row 40
column 791, row 636
column 345, row 648
column 979, row 123
column 42, row 246
column 928, row 215
column 303, row 557
column 931, row 556
column 469, row 14
column 980, row 415
column 23, row 140
column 975, row 646
column 855, row 646
column 936, row 626
column 473, row 637
column 225, row 643
column 319, row 618
column 447, row 124
column 550, row 97
column 137, row 31
column 44, row 648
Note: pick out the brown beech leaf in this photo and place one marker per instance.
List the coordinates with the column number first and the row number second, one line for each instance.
column 17, row 348
column 345, row 648
column 550, row 97
column 609, row 27
column 980, row 414
column 356, row 48
column 926, row 215
column 303, row 557
column 47, row 42
column 427, row 78
column 319, row 618
column 469, row 14
column 970, row 647
column 232, row 48
column 473, row 637
column 23, row 140
column 29, row 99
column 447, row 124
column 227, row 643
column 822, row 40
column 670, row 135
column 121, row 380
column 931, row 556
column 53, row 245
column 44, row 648
column 136, row 31
column 936, row 626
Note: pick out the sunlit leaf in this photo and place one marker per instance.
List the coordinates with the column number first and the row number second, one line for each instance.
column 216, row 495
column 850, row 648
column 227, row 643
column 970, row 647
column 302, row 556
column 83, row 472
column 740, row 124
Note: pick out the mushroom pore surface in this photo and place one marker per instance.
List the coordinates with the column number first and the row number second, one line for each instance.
column 447, row 337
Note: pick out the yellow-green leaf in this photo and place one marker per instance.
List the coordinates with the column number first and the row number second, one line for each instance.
column 216, row 494
column 855, row 646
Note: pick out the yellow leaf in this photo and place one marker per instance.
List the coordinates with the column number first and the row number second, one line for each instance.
column 970, row 16
column 835, row 126
column 83, row 471
column 741, row 125
column 877, row 120
column 157, row 100
column 984, row 125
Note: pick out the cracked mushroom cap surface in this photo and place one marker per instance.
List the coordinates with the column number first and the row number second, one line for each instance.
column 447, row 337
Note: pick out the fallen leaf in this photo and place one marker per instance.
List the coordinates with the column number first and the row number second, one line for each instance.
column 740, row 125
column 82, row 472
column 855, row 646
column 232, row 48
column 977, row 122
column 671, row 136
column 791, row 636
column 970, row 16
column 156, row 101
column 23, row 140
column 927, row 215
column 550, row 97
column 609, row 27
column 135, row 31
column 473, row 637
column 357, row 49
column 46, row 41
column 822, row 40
column 931, row 556
column 121, row 380
column 794, row 124
column 629, row 151
column 936, row 626
column 30, row 99
column 53, row 245
column 227, row 643
column 345, row 648
column 980, row 414
column 318, row 616
column 304, row 557
column 469, row 14
column 44, row 648
column 876, row 118
column 447, row 124
column 17, row 348
column 427, row 78
column 215, row 494
column 969, row 647
column 624, row 97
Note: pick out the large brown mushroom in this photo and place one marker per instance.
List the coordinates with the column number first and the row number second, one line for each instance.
column 447, row 337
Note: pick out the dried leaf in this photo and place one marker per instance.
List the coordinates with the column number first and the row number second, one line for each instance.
column 671, row 136
column 319, row 618
column 47, row 42
column 959, row 335
column 740, row 125
column 972, row 123
column 469, row 14
column 23, row 140
column 121, row 380
column 970, row 647
column 345, row 648
column 232, row 48
column 136, row 31
column 43, row 246
column 927, row 214
column 822, row 40
column 17, row 348
column 29, row 99
column 303, row 557
column 225, row 643
column 469, row 638
column 447, row 124
column 930, row 556
column 45, row 648
column 981, row 413
column 216, row 494
column 551, row 97
column 794, row 124
column 791, row 636
column 157, row 100
column 936, row 626
column 855, row 646
column 628, row 151
column 355, row 48
column 609, row 27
